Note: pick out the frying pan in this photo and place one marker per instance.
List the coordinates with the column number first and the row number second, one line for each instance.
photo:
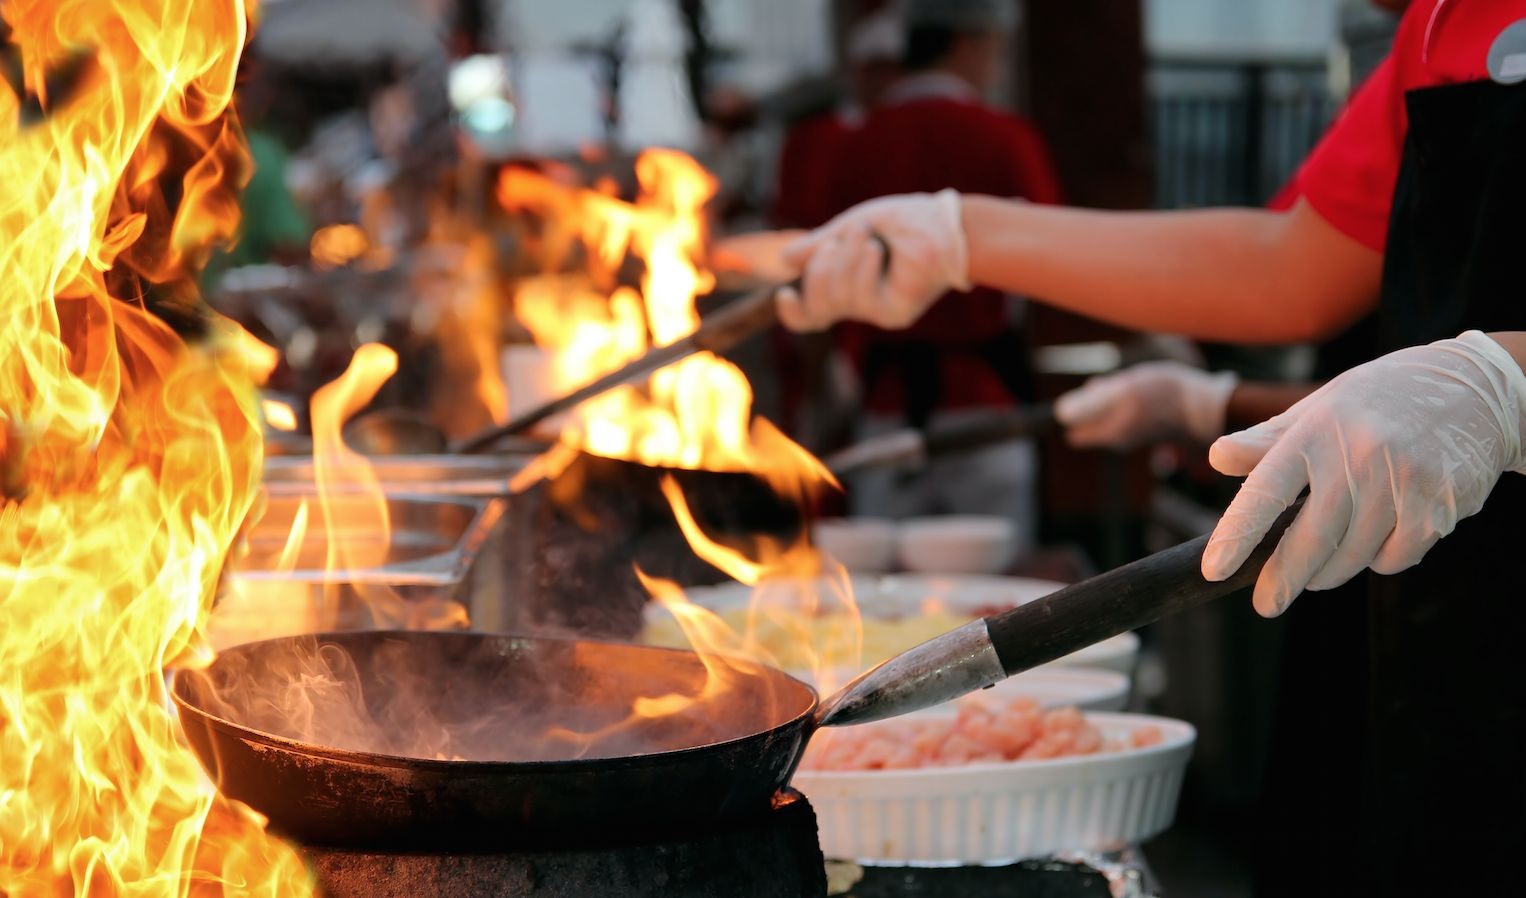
column 676, row 774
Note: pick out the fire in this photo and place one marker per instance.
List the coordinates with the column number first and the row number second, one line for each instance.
column 342, row 529
column 455, row 280
column 336, row 246
column 131, row 450
column 694, row 414
column 357, row 532
column 793, row 587
column 279, row 415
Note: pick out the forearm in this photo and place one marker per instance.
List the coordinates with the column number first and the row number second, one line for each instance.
column 1256, row 401
column 1236, row 275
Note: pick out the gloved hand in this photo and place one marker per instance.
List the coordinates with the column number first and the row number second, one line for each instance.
column 1394, row 453
column 841, row 263
column 1147, row 403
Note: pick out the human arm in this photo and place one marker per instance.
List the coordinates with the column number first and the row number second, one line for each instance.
column 1393, row 453
column 1294, row 276
column 1157, row 401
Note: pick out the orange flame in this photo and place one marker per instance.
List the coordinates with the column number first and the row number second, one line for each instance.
column 131, row 455
column 336, row 246
column 794, row 589
column 694, row 414
column 344, row 473
column 279, row 415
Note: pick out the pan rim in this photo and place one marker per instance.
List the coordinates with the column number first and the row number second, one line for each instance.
column 250, row 734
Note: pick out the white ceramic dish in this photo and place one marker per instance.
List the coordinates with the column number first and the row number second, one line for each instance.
column 900, row 595
column 956, row 544
column 996, row 813
column 862, row 545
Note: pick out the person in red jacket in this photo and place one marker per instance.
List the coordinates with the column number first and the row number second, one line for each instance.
column 933, row 130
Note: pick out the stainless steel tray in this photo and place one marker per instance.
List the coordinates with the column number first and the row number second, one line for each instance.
column 376, row 580
column 414, row 475
column 433, row 540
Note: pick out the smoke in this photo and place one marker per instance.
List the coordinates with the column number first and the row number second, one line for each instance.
column 475, row 697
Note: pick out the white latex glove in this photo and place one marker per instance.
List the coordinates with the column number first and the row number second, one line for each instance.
column 1394, row 453
column 841, row 264
column 1147, row 403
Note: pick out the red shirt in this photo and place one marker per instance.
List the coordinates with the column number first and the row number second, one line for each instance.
column 805, row 171
column 925, row 144
column 1349, row 179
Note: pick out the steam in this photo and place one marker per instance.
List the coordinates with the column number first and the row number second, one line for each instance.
column 470, row 697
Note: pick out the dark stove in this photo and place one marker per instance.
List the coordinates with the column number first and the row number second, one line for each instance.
column 775, row 855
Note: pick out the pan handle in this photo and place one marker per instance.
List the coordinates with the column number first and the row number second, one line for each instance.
column 984, row 652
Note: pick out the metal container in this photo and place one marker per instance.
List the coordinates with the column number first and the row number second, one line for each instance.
column 481, row 477
column 343, row 571
column 474, row 476
column 563, row 560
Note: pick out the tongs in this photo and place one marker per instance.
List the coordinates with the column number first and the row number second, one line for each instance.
column 719, row 332
column 912, row 447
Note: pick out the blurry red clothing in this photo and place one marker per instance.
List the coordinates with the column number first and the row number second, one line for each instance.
column 805, row 170
column 1349, row 179
column 932, row 133
column 800, row 201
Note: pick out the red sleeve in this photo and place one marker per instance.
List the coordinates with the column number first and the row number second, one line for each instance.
column 1037, row 180
column 1349, row 178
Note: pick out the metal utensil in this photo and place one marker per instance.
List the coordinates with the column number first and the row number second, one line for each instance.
column 913, row 447
column 984, row 652
column 719, row 332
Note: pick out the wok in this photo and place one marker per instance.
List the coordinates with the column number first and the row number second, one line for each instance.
column 496, row 698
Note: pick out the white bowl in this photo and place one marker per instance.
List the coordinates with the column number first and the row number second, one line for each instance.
column 957, row 544
column 862, row 545
column 1002, row 812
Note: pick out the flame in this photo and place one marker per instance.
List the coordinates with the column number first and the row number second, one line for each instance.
column 347, row 484
column 131, row 453
column 336, row 246
column 693, row 414
column 279, row 415
column 460, row 292
column 794, row 586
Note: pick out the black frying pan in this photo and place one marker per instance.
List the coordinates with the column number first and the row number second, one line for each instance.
column 499, row 695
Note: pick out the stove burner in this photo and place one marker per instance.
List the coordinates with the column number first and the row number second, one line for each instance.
column 773, row 856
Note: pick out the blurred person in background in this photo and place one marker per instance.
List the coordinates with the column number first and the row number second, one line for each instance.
column 1407, row 207
column 933, row 129
column 815, row 400
column 873, row 52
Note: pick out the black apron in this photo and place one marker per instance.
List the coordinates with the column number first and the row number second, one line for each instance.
column 1446, row 761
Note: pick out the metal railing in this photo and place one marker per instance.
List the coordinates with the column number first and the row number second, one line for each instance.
column 1233, row 132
